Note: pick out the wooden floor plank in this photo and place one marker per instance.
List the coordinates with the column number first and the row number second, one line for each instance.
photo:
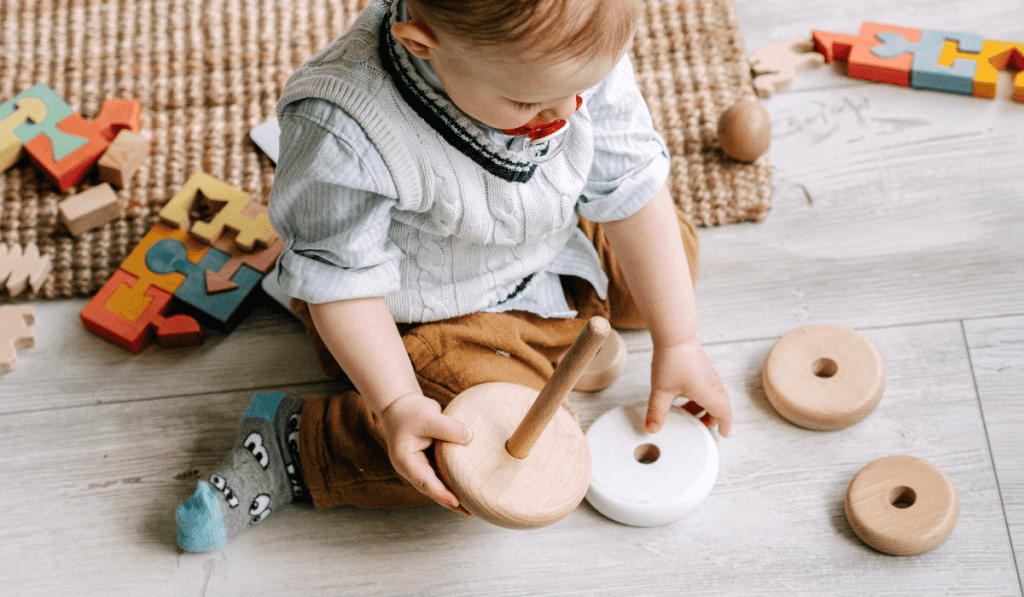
column 70, row 366
column 94, row 489
column 911, row 222
column 997, row 355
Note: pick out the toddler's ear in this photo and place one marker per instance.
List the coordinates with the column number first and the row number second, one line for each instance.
column 416, row 36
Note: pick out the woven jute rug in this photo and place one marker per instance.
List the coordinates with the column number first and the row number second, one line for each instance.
column 207, row 71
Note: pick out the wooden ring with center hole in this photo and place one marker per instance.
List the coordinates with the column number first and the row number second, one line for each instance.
column 644, row 479
column 902, row 505
column 528, row 464
column 823, row 377
column 606, row 366
column 532, row 492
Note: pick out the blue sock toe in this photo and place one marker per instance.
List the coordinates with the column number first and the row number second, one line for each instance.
column 201, row 522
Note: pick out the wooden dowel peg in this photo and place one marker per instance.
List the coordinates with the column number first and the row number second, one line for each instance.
column 565, row 376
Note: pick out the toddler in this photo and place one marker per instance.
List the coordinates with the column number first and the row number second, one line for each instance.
column 461, row 185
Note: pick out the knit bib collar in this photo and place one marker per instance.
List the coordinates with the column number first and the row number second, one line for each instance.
column 457, row 129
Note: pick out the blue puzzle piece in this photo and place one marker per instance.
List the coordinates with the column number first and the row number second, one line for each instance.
column 926, row 72
column 169, row 255
column 56, row 110
column 893, row 45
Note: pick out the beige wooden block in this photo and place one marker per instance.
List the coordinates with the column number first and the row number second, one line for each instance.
column 902, row 505
column 20, row 268
column 89, row 209
column 14, row 333
column 124, row 156
column 823, row 377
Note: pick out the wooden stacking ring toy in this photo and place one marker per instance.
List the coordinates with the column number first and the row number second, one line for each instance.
column 824, row 377
column 902, row 505
column 606, row 366
column 643, row 479
column 528, row 464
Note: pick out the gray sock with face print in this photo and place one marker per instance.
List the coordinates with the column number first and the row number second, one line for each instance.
column 260, row 474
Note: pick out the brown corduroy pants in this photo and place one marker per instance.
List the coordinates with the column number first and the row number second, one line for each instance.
column 341, row 442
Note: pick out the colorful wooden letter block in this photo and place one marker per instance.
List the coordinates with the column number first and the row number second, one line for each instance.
column 947, row 61
column 220, row 309
column 206, row 206
column 209, row 278
column 128, row 316
column 26, row 109
column 66, row 168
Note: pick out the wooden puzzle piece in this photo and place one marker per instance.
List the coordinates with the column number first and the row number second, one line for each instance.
column 993, row 57
column 14, row 333
column 206, row 206
column 857, row 52
column 775, row 65
column 89, row 209
column 926, row 71
column 124, row 156
column 117, row 115
column 261, row 259
column 223, row 309
column 21, row 268
column 27, row 109
column 68, row 170
column 146, row 306
column 56, row 111
column 135, row 263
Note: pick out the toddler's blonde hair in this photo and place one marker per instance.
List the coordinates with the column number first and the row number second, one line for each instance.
column 557, row 29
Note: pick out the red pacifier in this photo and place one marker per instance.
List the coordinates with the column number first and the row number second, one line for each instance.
column 534, row 141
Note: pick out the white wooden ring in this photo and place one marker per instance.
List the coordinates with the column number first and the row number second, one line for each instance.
column 643, row 479
column 902, row 505
column 823, row 376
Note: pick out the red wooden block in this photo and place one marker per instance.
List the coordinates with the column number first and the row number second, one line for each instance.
column 117, row 115
column 127, row 316
column 856, row 52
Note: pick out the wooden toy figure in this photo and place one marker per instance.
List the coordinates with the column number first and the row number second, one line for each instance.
column 528, row 464
column 775, row 65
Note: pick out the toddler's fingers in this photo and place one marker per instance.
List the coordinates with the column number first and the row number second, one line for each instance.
column 447, row 429
column 422, row 476
column 657, row 409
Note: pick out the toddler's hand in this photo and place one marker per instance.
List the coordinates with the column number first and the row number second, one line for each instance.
column 685, row 370
column 411, row 424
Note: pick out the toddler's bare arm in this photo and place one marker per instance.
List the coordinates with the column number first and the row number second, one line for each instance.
column 363, row 337
column 653, row 260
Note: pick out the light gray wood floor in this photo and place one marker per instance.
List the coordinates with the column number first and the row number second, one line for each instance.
column 915, row 237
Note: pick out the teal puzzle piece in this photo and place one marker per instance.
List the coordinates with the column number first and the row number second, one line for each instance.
column 926, row 72
column 56, row 110
column 222, row 310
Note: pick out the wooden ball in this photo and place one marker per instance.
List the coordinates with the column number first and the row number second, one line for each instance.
column 745, row 131
column 532, row 492
column 823, row 377
column 902, row 505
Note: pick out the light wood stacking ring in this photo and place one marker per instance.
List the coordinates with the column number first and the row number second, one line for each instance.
column 528, row 464
column 902, row 505
column 606, row 367
column 823, row 377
